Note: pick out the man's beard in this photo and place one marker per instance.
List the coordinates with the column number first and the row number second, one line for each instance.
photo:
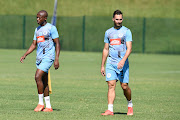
column 118, row 25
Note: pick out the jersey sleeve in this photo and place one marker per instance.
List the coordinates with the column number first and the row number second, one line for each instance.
column 128, row 36
column 35, row 35
column 54, row 32
column 106, row 39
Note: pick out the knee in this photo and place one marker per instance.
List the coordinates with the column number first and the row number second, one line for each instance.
column 111, row 86
column 124, row 86
column 37, row 77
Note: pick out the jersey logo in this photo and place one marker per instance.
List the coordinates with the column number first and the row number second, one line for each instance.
column 40, row 39
column 115, row 41
column 108, row 75
column 120, row 35
column 45, row 33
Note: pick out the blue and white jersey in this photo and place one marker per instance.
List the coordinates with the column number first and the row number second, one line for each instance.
column 44, row 36
column 117, row 39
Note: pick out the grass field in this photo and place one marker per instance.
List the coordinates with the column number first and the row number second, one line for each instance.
column 80, row 92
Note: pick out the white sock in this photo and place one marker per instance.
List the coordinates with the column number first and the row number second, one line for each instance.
column 130, row 103
column 110, row 107
column 47, row 101
column 41, row 99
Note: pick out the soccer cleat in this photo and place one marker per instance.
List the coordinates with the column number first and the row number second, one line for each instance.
column 48, row 110
column 39, row 108
column 130, row 111
column 107, row 112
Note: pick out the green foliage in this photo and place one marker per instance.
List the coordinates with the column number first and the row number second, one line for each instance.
column 162, row 23
column 80, row 92
column 131, row 8
column 161, row 36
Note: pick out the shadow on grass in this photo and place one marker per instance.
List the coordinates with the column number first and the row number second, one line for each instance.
column 120, row 113
column 53, row 109
column 56, row 109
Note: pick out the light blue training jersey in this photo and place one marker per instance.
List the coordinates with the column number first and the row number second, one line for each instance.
column 44, row 36
column 117, row 39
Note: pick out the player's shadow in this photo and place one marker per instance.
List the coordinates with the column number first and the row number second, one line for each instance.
column 53, row 109
column 120, row 113
column 56, row 109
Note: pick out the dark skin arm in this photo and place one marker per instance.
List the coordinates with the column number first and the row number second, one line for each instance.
column 56, row 62
column 33, row 46
column 31, row 49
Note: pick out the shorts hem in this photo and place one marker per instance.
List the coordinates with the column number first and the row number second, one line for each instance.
column 111, row 79
column 43, row 70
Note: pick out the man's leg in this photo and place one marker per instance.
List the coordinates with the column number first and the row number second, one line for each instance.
column 40, row 87
column 126, row 90
column 46, row 93
column 39, row 82
column 127, row 94
column 111, row 91
column 111, row 96
column 45, row 83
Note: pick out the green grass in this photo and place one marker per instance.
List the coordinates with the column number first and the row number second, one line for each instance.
column 80, row 92
column 131, row 8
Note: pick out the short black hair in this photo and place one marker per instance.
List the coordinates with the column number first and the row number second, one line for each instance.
column 117, row 12
column 45, row 12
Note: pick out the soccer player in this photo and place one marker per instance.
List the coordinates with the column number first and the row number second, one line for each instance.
column 117, row 48
column 46, row 39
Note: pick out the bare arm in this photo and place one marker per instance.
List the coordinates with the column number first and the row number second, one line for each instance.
column 56, row 62
column 104, row 57
column 31, row 49
column 128, row 52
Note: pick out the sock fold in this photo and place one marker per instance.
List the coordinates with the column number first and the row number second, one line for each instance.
column 130, row 103
column 47, row 101
column 41, row 99
column 110, row 107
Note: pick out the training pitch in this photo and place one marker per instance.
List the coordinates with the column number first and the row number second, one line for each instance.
column 80, row 92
